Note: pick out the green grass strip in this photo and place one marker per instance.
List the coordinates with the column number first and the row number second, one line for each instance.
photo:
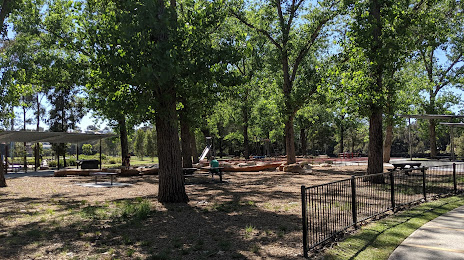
column 377, row 240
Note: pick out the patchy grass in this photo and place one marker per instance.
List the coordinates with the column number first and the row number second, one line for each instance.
column 379, row 239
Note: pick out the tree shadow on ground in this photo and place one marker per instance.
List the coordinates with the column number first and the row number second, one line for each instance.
column 228, row 225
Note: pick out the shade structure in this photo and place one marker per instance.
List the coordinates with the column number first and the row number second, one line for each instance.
column 51, row 137
column 434, row 117
column 452, row 126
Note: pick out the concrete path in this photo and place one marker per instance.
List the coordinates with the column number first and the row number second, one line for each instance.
column 441, row 238
column 29, row 174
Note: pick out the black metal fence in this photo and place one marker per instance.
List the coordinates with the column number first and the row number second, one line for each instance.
column 331, row 208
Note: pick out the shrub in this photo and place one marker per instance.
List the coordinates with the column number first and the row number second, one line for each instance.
column 113, row 161
column 71, row 162
column 54, row 163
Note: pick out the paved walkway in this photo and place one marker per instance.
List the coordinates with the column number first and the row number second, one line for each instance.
column 441, row 238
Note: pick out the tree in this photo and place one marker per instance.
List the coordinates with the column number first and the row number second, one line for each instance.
column 139, row 145
column 295, row 34
column 440, row 40
column 377, row 34
column 151, row 143
column 87, row 149
column 144, row 47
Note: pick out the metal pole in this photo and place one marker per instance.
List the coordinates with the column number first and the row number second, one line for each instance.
column 392, row 191
column 455, row 184
column 305, row 221
column 353, row 201
column 410, row 141
column 77, row 155
column 452, row 142
column 423, row 183
column 100, row 153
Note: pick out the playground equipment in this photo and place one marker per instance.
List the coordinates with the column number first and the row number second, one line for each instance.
column 209, row 145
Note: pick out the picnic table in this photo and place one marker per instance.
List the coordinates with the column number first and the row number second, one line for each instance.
column 407, row 167
column 215, row 170
column 189, row 171
column 96, row 174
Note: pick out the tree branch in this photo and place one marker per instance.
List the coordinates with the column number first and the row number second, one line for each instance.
column 259, row 30
column 441, row 84
column 307, row 46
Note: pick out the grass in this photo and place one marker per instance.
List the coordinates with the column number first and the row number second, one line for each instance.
column 378, row 240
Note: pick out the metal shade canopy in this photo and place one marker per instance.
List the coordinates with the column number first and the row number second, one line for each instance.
column 452, row 125
column 51, row 137
column 433, row 116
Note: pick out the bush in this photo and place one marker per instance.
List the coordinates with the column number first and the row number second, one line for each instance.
column 113, row 161
column 54, row 163
column 71, row 162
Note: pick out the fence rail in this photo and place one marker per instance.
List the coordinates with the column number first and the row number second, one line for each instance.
column 331, row 208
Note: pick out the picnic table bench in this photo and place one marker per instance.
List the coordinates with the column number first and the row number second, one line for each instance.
column 96, row 174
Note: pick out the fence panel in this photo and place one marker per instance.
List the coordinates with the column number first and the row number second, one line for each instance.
column 333, row 207
column 373, row 195
column 460, row 177
column 328, row 210
column 408, row 186
column 439, row 180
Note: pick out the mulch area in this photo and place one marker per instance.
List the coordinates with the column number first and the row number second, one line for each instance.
column 254, row 215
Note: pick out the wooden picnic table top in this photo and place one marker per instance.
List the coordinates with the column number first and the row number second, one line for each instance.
column 403, row 165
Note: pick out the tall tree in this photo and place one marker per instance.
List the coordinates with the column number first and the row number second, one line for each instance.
column 376, row 34
column 295, row 30
column 147, row 51
column 139, row 145
column 440, row 40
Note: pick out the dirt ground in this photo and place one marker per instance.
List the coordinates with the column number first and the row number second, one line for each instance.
column 254, row 215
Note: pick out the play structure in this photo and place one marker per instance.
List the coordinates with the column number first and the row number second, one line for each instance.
column 208, row 148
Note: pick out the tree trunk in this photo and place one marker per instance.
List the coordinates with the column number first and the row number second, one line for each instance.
column 342, row 135
column 4, row 168
column 124, row 143
column 36, row 148
column 290, row 140
column 246, row 142
column 2, row 175
column 24, row 147
column 375, row 150
column 433, row 138
column 304, row 141
column 193, row 145
column 171, row 179
column 185, row 141
column 388, row 142
column 375, row 163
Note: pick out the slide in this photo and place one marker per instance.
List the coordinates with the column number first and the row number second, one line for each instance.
column 205, row 152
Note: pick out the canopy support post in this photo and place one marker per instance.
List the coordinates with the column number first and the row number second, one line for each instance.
column 410, row 141
column 77, row 155
column 452, row 142
column 100, row 153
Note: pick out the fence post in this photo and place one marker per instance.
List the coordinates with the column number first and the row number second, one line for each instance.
column 454, row 179
column 305, row 220
column 423, row 183
column 392, row 191
column 353, row 201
